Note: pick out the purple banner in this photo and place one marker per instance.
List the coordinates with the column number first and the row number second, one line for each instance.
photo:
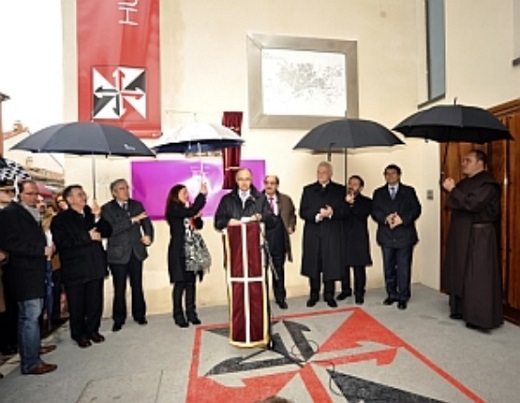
column 152, row 180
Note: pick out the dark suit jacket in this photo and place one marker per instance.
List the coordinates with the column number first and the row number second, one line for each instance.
column 407, row 205
column 323, row 240
column 82, row 259
column 23, row 238
column 357, row 245
column 126, row 237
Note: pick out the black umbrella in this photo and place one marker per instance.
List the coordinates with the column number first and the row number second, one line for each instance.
column 339, row 135
column 347, row 133
column 85, row 138
column 454, row 123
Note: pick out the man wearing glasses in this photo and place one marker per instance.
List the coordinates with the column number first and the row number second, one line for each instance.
column 283, row 209
column 23, row 238
column 395, row 207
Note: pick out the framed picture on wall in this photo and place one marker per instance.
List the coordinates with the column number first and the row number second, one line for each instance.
column 298, row 83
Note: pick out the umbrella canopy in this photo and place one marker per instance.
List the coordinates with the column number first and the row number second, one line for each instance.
column 454, row 123
column 198, row 137
column 11, row 170
column 85, row 138
column 347, row 133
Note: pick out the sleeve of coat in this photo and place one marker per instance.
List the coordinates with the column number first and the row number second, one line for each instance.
column 378, row 211
column 413, row 210
column 12, row 243
column 222, row 216
column 118, row 226
column 178, row 211
column 306, row 212
column 146, row 224
column 65, row 238
column 473, row 201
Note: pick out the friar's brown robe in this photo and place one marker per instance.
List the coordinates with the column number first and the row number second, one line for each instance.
column 472, row 270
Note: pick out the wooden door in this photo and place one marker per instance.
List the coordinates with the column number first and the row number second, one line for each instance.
column 504, row 164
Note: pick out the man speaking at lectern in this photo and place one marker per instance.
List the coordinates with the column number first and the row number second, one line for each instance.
column 239, row 213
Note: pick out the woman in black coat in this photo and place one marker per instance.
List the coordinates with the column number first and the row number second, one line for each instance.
column 180, row 214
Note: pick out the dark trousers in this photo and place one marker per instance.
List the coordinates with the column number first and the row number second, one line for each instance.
column 397, row 264
column 360, row 280
column 278, row 285
column 57, row 289
column 9, row 322
column 85, row 308
column 120, row 272
column 315, row 282
column 186, row 288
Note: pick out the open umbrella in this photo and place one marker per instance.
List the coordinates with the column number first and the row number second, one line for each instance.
column 11, row 170
column 339, row 135
column 198, row 138
column 454, row 123
column 85, row 138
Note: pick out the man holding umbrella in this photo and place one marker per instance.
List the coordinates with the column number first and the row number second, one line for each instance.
column 472, row 263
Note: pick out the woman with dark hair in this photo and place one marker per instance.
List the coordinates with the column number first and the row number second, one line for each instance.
column 182, row 217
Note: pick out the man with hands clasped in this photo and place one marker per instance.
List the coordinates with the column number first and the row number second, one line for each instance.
column 395, row 207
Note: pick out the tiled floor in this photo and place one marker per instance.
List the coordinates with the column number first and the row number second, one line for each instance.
column 372, row 353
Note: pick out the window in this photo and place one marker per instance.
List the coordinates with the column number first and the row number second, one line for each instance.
column 435, row 49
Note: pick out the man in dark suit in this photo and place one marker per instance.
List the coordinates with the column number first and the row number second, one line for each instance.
column 283, row 209
column 357, row 245
column 395, row 207
column 132, row 233
column 322, row 209
column 23, row 239
column 77, row 233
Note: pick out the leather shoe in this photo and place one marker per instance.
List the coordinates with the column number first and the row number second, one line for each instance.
column 47, row 349
column 388, row 301
column 142, row 321
column 331, row 302
column 97, row 338
column 456, row 316
column 311, row 302
column 83, row 342
column 116, row 327
column 181, row 322
column 282, row 304
column 359, row 300
column 194, row 320
column 401, row 305
column 343, row 295
column 42, row 368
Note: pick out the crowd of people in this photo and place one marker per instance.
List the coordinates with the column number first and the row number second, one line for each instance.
column 335, row 240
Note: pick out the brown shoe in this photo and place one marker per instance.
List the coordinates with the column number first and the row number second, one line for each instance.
column 97, row 338
column 47, row 349
column 83, row 342
column 42, row 368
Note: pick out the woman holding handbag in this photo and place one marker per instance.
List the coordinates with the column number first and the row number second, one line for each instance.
column 183, row 220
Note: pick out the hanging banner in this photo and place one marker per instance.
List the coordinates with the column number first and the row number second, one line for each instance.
column 118, row 64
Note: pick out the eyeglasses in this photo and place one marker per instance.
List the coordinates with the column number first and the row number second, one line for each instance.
column 269, row 183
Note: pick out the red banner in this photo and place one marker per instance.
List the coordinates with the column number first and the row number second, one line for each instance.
column 118, row 64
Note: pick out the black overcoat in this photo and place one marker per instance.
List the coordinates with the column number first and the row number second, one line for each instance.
column 23, row 238
column 325, row 238
column 357, row 241
column 176, row 213
column 82, row 259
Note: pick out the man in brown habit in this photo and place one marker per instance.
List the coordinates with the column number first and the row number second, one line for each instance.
column 472, row 263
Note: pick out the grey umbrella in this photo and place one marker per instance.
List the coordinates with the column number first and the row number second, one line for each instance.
column 85, row 138
column 340, row 135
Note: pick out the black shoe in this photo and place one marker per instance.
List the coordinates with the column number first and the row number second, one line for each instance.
column 360, row 299
column 344, row 295
column 116, row 327
column 456, row 316
column 401, row 305
column 282, row 304
column 311, row 302
column 83, row 342
column 97, row 337
column 331, row 302
column 194, row 320
column 388, row 301
column 181, row 322
column 142, row 321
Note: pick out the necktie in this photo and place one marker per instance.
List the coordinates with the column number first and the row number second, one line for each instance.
column 392, row 192
column 125, row 206
column 271, row 203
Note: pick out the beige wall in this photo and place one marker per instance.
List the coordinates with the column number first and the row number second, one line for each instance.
column 204, row 72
